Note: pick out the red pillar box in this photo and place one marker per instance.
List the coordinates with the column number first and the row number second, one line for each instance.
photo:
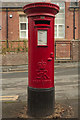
column 41, row 57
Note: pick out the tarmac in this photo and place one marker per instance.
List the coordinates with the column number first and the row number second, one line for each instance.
column 10, row 68
column 18, row 105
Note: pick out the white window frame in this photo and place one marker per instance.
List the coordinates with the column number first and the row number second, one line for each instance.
column 23, row 30
column 57, row 36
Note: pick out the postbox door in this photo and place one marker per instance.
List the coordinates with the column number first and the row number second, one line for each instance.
column 42, row 60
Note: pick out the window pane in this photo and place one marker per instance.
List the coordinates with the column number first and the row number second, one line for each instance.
column 61, row 31
column 60, row 21
column 23, row 26
column 23, row 34
column 55, row 30
column 74, row 4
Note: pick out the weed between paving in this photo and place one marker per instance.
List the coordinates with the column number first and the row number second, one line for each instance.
column 61, row 111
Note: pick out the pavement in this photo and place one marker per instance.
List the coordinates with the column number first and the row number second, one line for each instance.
column 15, row 82
column 10, row 68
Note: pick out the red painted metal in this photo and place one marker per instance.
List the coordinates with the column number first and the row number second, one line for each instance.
column 41, row 57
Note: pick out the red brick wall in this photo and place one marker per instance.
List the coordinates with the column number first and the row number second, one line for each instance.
column 69, row 22
column 75, row 50
column 15, row 46
column 76, row 24
column 63, row 50
column 13, row 30
column 13, row 26
column 62, row 47
column 79, row 20
column 68, row 50
column 18, row 44
column 3, row 25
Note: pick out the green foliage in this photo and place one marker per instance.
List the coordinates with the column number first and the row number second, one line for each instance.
column 15, row 49
column 4, row 50
column 8, row 49
column 18, row 48
column 26, row 49
column 24, row 45
column 11, row 44
column 23, row 49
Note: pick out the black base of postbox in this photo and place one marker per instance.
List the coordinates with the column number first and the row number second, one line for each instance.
column 41, row 102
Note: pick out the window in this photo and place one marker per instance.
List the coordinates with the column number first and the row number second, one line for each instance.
column 60, row 21
column 74, row 3
column 23, row 27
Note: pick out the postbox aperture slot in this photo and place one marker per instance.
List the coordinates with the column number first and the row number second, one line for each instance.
column 42, row 22
column 42, row 37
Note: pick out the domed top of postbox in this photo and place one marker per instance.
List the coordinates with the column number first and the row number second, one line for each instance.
column 41, row 8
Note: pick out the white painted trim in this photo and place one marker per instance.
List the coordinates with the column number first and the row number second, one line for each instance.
column 23, row 30
column 61, row 24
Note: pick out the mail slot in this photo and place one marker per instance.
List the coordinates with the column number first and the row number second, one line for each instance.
column 42, row 22
column 41, row 95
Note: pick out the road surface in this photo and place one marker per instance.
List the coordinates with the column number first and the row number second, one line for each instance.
column 66, row 87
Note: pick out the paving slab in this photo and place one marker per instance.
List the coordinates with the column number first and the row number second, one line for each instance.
column 25, row 67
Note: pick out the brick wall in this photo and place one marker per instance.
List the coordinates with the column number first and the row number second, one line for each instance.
column 14, row 59
column 69, row 22
column 0, row 25
column 63, row 50
column 79, row 20
column 15, row 46
column 75, row 50
column 69, row 50
column 13, row 30
column 13, row 26
column 3, row 26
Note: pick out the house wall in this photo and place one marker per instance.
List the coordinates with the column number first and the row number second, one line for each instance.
column 3, row 26
column 69, row 22
column 79, row 21
column 64, row 48
column 75, row 50
column 13, row 26
column 68, row 49
column 13, row 30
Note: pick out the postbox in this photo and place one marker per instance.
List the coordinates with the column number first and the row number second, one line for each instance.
column 41, row 92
